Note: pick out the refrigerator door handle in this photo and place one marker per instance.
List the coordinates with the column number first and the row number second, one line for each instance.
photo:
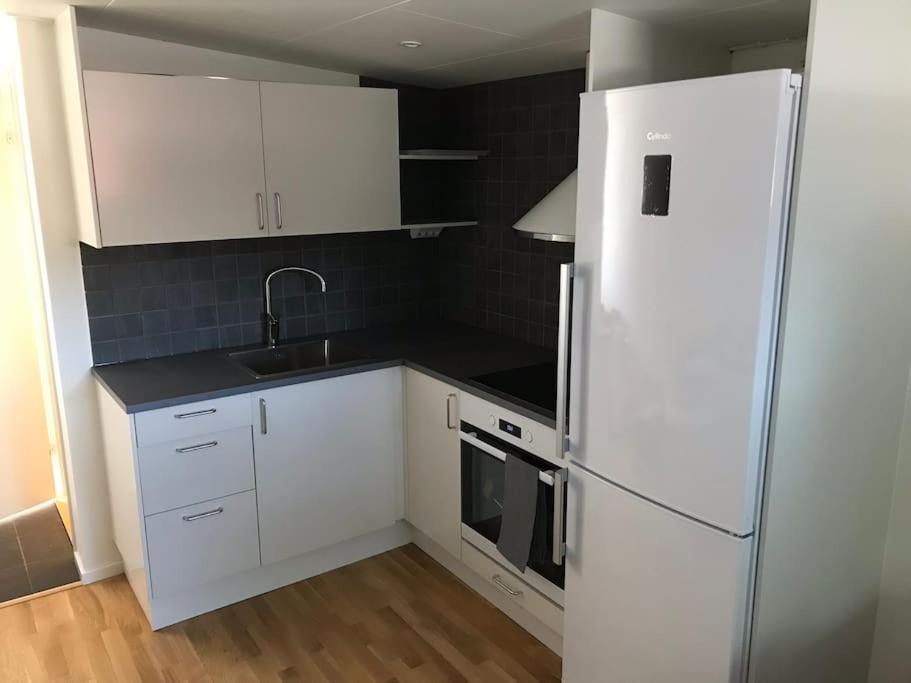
column 559, row 542
column 564, row 322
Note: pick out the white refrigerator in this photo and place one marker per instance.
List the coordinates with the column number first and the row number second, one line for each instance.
column 680, row 250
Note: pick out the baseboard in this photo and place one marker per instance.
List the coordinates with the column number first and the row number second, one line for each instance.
column 96, row 573
column 231, row 589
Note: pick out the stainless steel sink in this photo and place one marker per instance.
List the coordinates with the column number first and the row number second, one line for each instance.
column 296, row 357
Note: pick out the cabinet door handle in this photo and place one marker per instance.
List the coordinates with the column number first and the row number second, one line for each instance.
column 195, row 413
column 278, row 211
column 262, row 210
column 263, row 423
column 450, row 423
column 202, row 515
column 197, row 447
column 505, row 587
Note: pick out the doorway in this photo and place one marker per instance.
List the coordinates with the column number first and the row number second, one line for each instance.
column 36, row 552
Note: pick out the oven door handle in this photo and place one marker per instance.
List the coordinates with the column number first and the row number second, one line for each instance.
column 472, row 439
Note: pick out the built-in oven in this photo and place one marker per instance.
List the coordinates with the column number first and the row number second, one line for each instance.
column 484, row 450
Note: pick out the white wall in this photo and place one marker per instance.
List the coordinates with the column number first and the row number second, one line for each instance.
column 845, row 351
column 54, row 213
column 626, row 52
column 789, row 54
column 109, row 51
column 891, row 662
column 25, row 457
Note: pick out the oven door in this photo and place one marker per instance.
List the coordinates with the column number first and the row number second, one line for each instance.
column 483, row 474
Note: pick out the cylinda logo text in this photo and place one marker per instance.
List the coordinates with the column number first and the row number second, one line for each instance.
column 657, row 136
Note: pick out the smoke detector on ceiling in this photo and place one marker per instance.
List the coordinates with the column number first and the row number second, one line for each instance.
column 411, row 43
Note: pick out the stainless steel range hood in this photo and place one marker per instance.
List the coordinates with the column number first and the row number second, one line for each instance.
column 553, row 218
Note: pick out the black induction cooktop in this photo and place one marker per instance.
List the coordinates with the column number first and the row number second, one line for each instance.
column 532, row 384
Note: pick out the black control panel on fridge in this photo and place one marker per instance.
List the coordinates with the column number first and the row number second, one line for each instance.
column 656, row 184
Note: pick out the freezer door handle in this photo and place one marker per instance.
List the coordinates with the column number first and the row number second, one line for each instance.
column 563, row 340
column 560, row 477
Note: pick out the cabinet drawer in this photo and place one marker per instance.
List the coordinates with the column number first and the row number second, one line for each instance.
column 191, row 470
column 192, row 419
column 200, row 543
column 513, row 588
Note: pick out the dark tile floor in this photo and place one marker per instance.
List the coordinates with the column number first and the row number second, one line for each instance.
column 35, row 554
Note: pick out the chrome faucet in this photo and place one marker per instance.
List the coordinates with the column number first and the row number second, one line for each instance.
column 271, row 320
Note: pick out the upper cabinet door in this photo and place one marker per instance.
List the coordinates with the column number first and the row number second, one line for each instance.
column 331, row 156
column 176, row 159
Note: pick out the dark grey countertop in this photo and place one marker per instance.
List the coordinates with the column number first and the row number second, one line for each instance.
column 449, row 352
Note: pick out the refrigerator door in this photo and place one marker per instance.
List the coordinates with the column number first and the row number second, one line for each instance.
column 681, row 208
column 650, row 596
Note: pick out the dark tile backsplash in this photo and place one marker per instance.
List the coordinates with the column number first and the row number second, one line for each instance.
column 158, row 300
column 492, row 276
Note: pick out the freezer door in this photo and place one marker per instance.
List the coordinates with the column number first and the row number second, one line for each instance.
column 682, row 202
column 650, row 596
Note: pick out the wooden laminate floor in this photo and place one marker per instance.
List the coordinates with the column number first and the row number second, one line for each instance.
column 398, row 616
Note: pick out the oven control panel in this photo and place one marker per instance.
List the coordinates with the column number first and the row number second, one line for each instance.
column 526, row 433
column 512, row 429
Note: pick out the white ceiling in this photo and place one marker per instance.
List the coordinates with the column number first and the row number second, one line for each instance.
column 465, row 41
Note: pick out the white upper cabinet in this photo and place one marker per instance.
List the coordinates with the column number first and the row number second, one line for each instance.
column 332, row 158
column 175, row 158
column 188, row 158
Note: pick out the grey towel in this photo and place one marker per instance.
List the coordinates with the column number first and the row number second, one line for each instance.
column 520, row 502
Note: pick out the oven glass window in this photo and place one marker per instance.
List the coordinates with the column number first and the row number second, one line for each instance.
column 482, row 503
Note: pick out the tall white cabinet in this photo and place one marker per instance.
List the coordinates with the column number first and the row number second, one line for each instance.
column 332, row 158
column 175, row 158
column 189, row 158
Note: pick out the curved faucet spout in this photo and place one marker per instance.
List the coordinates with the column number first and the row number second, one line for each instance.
column 271, row 320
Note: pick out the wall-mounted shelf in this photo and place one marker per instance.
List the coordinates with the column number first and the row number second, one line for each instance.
column 421, row 230
column 443, row 154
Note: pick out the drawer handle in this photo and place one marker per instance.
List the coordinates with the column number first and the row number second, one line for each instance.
column 197, row 447
column 195, row 413
column 501, row 584
column 203, row 515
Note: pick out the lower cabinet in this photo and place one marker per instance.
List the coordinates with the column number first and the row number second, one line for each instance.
column 433, row 469
column 208, row 497
column 328, row 461
column 202, row 542
column 513, row 588
column 184, row 472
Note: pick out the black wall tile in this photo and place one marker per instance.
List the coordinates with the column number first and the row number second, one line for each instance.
column 491, row 276
column 166, row 299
